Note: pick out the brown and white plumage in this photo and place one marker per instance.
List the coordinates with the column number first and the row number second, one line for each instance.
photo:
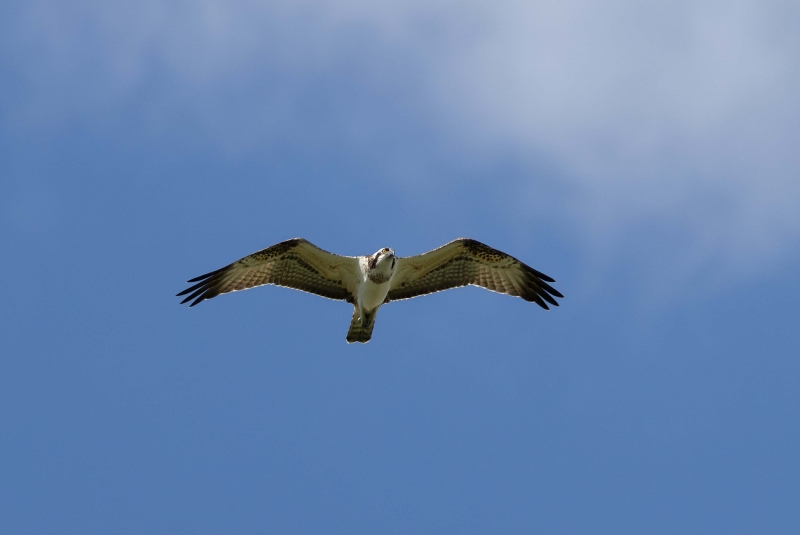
column 295, row 263
column 368, row 282
column 465, row 262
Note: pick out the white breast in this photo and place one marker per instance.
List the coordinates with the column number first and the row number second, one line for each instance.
column 370, row 294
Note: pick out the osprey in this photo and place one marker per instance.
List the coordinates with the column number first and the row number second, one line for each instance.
column 367, row 282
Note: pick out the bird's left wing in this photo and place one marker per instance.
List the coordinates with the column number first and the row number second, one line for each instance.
column 295, row 263
column 465, row 262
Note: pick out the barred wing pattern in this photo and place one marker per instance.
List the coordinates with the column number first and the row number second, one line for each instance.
column 465, row 262
column 295, row 263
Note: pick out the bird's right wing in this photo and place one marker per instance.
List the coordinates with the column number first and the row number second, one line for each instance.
column 465, row 262
column 295, row 263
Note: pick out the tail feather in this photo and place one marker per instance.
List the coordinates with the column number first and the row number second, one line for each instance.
column 361, row 328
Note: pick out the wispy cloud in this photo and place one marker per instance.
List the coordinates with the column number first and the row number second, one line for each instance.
column 685, row 112
column 682, row 117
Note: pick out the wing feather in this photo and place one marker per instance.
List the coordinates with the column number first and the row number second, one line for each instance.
column 465, row 262
column 295, row 263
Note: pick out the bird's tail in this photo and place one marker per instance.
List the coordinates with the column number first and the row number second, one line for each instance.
column 361, row 328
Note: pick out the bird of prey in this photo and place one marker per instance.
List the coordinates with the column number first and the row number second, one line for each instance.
column 367, row 282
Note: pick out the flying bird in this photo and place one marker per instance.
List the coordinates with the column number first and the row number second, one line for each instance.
column 367, row 282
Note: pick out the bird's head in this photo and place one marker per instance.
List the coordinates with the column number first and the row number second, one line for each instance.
column 384, row 260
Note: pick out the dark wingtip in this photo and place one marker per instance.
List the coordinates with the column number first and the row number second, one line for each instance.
column 189, row 298
column 207, row 275
column 546, row 287
column 538, row 301
column 193, row 288
column 538, row 273
column 202, row 297
column 200, row 293
column 548, row 298
column 201, row 289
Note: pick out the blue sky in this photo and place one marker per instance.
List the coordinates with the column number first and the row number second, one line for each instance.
column 644, row 156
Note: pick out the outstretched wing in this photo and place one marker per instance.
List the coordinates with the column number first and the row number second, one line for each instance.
column 295, row 263
column 462, row 262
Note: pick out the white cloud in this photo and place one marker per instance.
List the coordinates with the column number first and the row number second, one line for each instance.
column 647, row 108
column 685, row 115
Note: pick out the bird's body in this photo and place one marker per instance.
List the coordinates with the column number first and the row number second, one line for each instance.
column 376, row 278
column 368, row 282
